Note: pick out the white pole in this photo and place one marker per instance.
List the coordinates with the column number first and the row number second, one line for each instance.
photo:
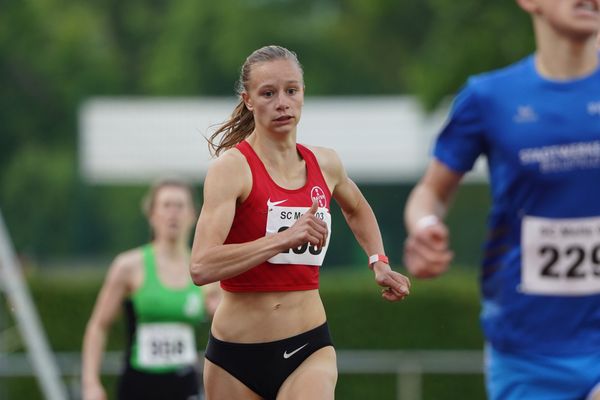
column 28, row 321
column 409, row 384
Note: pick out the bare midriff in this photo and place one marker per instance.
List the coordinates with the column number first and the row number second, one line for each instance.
column 257, row 317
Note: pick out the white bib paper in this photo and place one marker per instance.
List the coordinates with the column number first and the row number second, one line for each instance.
column 281, row 218
column 166, row 345
column 560, row 256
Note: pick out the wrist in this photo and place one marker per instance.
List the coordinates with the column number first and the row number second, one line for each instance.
column 280, row 241
column 426, row 221
column 90, row 380
column 375, row 258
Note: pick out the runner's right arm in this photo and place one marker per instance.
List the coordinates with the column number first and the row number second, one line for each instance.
column 426, row 252
column 228, row 182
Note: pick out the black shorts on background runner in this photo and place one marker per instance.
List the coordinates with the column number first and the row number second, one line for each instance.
column 179, row 385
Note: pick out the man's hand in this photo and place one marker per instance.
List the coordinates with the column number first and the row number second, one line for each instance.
column 426, row 253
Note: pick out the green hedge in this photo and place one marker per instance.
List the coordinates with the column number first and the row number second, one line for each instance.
column 100, row 221
column 439, row 314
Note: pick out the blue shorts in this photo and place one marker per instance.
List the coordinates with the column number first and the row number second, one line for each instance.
column 537, row 377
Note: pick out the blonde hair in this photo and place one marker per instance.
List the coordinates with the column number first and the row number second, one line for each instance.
column 241, row 123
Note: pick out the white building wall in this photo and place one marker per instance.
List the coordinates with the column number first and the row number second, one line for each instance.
column 136, row 140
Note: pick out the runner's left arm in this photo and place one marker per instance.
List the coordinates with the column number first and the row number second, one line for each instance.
column 362, row 221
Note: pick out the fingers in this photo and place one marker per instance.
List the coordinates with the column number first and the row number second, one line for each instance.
column 435, row 236
column 425, row 265
column 390, row 295
column 396, row 286
column 315, row 240
column 309, row 229
column 426, row 252
column 429, row 253
column 313, row 208
column 318, row 225
column 316, row 232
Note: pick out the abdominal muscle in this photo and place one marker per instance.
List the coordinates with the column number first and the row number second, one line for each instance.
column 257, row 317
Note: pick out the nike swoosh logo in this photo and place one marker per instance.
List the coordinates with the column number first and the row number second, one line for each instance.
column 287, row 355
column 274, row 203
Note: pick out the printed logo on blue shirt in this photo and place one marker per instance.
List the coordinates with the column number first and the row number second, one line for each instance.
column 525, row 114
column 563, row 157
column 593, row 108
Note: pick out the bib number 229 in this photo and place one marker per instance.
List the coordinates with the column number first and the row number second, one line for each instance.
column 560, row 256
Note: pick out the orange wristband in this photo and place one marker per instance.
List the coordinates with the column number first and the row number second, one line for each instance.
column 378, row 257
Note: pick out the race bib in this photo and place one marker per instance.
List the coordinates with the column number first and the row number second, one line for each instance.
column 560, row 256
column 281, row 218
column 166, row 345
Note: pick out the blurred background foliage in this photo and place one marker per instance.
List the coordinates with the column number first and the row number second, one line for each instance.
column 56, row 53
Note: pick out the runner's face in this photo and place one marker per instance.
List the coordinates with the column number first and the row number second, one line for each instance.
column 275, row 95
column 578, row 18
column 172, row 215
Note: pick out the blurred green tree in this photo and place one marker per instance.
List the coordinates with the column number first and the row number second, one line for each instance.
column 56, row 53
column 466, row 38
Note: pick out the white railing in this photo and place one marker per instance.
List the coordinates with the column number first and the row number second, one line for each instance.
column 409, row 366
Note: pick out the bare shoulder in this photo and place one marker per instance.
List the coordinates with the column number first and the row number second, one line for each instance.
column 323, row 153
column 330, row 163
column 231, row 158
column 327, row 157
column 126, row 266
column 229, row 173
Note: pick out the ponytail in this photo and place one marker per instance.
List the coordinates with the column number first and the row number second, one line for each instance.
column 236, row 129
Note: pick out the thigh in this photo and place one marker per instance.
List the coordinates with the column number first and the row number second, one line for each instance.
column 314, row 379
column 221, row 385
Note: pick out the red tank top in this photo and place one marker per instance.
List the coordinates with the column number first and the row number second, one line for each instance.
column 269, row 209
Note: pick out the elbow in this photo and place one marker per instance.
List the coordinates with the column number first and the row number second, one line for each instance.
column 200, row 275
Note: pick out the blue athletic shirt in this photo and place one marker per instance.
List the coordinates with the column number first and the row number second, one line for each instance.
column 540, row 277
